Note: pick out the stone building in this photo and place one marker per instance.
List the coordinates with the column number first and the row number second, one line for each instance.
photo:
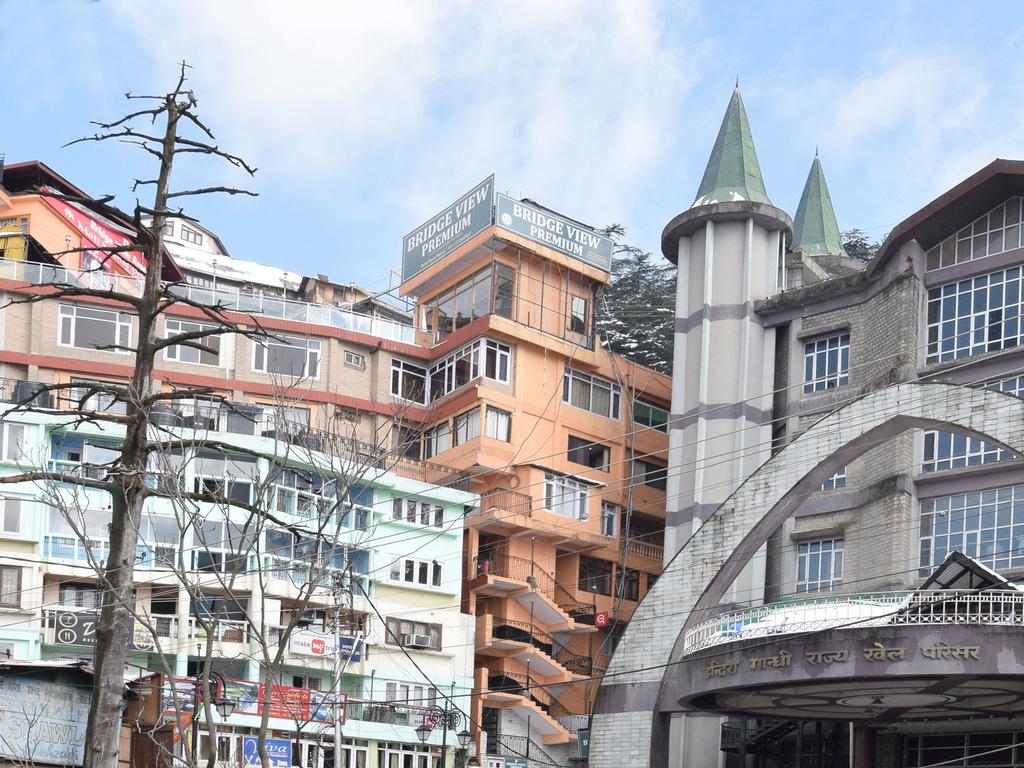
column 888, row 514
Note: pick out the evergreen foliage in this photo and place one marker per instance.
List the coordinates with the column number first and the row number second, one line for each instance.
column 635, row 314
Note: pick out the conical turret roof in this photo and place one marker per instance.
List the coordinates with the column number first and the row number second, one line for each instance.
column 733, row 173
column 815, row 229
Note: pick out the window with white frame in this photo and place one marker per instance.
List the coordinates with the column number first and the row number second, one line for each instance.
column 413, row 633
column 986, row 525
column 995, row 232
column 410, row 570
column 421, row 512
column 976, row 315
column 354, row 359
column 169, row 228
column 498, row 425
column 398, row 692
column 90, row 328
column 223, row 546
column 826, row 363
column 591, row 393
column 73, row 595
column 14, row 442
column 565, row 496
column 650, row 415
column 609, row 518
column 466, row 427
column 437, row 440
column 838, row 480
column 484, row 357
column 409, row 381
column 819, row 566
column 10, row 586
column 209, row 354
column 10, row 517
column 190, row 235
column 952, row 450
column 233, row 477
column 578, row 316
column 287, row 355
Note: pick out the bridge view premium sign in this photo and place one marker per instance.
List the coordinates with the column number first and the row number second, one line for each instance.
column 443, row 233
column 557, row 232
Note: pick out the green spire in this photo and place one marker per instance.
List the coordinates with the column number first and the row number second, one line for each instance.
column 733, row 173
column 815, row 230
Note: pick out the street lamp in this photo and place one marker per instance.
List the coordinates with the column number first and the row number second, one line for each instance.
column 224, row 706
column 447, row 719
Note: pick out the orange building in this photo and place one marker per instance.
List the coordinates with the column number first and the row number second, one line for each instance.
column 567, row 443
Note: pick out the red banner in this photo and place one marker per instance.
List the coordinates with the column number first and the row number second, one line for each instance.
column 98, row 235
column 289, row 703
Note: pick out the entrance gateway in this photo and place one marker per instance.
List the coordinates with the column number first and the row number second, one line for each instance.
column 952, row 671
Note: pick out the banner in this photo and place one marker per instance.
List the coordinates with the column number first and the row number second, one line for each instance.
column 79, row 628
column 306, row 642
column 555, row 231
column 279, row 752
column 99, row 235
column 246, row 695
column 289, row 703
column 443, row 233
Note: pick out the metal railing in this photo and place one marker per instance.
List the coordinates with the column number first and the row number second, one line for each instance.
column 575, row 663
column 497, row 563
column 518, row 746
column 864, row 610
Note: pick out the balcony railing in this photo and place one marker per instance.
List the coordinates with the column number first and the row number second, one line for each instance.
column 521, row 569
column 867, row 610
column 506, row 502
column 645, row 549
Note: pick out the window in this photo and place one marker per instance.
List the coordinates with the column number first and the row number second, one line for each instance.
column 565, row 496
column 232, row 477
column 287, row 355
column 225, row 546
column 995, row 232
column 14, row 442
column 413, row 633
column 209, row 355
column 418, row 511
column 595, row 576
column 437, row 440
column 589, row 454
column 89, row 328
column 466, row 427
column 819, row 565
column 986, row 525
column 609, row 516
column 591, row 393
column 826, row 363
column 976, row 315
column 952, row 450
column 838, row 480
column 407, row 442
column 650, row 474
column 87, row 596
column 425, row 573
column 190, row 235
column 14, row 221
column 354, row 360
column 169, row 228
column 10, row 516
column 578, row 315
column 489, row 290
column 464, row 365
column 408, row 381
column 409, row 693
column 10, row 586
column 498, row 425
column 629, row 584
column 306, row 681
column 99, row 396
column 650, row 415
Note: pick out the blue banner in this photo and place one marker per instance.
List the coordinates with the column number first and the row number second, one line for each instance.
column 279, row 752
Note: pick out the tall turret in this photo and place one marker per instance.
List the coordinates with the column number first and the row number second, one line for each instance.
column 728, row 248
column 815, row 229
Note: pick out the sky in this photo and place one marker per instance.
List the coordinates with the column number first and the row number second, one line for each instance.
column 366, row 118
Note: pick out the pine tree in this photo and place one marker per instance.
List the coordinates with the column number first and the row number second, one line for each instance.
column 636, row 312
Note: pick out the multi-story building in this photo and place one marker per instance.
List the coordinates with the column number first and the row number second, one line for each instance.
column 298, row 423
column 566, row 443
column 877, row 618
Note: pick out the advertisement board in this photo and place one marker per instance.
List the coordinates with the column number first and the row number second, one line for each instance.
column 555, row 231
column 98, row 235
column 583, row 741
column 279, row 752
column 306, row 642
column 44, row 719
column 79, row 628
column 441, row 234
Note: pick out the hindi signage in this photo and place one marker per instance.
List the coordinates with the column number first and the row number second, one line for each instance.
column 555, row 231
column 441, row 234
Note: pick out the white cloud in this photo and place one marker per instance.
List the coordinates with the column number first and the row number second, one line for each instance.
column 569, row 102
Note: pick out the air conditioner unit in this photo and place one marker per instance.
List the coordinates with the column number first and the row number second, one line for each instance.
column 416, row 641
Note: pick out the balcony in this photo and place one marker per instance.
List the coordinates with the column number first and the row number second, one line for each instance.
column 644, row 549
column 877, row 609
column 499, row 574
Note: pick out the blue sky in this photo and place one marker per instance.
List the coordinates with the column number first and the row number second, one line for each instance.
column 365, row 118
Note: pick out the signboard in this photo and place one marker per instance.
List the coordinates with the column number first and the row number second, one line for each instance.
column 557, row 232
column 289, row 703
column 583, row 742
column 279, row 752
column 44, row 719
column 443, row 233
column 601, row 619
column 246, row 695
column 95, row 233
column 318, row 644
column 517, row 762
column 79, row 628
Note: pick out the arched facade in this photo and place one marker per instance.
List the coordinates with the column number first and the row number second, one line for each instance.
column 631, row 723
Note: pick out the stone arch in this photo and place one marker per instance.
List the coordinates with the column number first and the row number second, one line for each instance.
column 630, row 726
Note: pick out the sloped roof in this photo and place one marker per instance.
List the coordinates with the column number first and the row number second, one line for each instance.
column 732, row 173
column 815, row 229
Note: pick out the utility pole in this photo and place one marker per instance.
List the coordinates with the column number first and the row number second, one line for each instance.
column 339, row 589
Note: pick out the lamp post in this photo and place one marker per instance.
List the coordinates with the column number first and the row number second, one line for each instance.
column 447, row 719
column 224, row 705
